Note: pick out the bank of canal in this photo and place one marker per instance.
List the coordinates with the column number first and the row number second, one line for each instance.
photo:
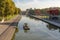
column 39, row 30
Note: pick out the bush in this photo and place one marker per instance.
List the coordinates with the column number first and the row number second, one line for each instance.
column 0, row 18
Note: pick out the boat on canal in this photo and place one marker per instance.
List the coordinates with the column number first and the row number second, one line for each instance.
column 25, row 26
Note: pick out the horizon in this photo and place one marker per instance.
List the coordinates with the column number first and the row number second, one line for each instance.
column 38, row 4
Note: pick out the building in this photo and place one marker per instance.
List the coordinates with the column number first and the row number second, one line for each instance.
column 53, row 12
column 37, row 11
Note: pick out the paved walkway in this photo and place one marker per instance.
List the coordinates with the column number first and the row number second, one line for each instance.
column 7, row 28
column 3, row 28
column 8, row 34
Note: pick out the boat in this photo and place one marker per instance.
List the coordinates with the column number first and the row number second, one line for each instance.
column 25, row 27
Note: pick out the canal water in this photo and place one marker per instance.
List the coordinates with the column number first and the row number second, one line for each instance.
column 39, row 30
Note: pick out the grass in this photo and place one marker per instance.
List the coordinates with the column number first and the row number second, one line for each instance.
column 7, row 18
column 0, row 18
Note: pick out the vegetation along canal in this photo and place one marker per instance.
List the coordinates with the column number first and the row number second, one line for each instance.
column 39, row 30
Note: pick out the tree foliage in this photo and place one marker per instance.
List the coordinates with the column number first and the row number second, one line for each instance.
column 7, row 7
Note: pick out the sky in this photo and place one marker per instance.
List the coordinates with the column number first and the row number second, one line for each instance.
column 26, row 4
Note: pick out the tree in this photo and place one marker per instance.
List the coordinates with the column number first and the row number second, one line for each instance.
column 31, row 12
column 7, row 7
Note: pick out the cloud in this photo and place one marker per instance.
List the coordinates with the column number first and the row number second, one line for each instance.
column 37, row 4
column 24, row 1
column 48, row 0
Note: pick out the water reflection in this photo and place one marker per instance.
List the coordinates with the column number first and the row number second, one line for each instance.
column 26, row 31
column 16, row 30
column 38, row 30
column 33, row 18
column 52, row 27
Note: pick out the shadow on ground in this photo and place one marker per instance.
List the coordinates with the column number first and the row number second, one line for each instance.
column 9, row 23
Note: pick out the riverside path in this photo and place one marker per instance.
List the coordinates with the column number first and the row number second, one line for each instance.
column 7, row 28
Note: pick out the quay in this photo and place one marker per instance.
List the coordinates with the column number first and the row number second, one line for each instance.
column 7, row 29
column 47, row 21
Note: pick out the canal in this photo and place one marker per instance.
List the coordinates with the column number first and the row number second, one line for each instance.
column 39, row 30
